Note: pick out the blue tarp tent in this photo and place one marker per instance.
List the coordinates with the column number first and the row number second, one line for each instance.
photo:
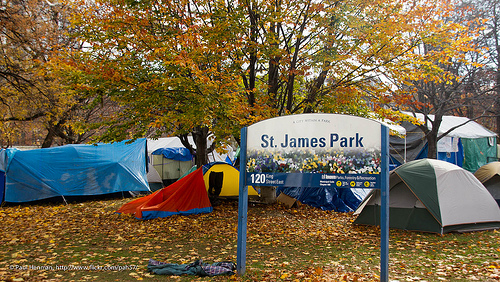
column 74, row 170
column 2, row 184
column 175, row 153
column 326, row 198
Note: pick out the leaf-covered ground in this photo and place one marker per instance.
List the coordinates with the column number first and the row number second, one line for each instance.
column 88, row 241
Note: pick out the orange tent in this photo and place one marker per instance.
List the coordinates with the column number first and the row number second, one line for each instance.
column 187, row 195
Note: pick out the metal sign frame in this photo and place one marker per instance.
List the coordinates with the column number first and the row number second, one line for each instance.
column 381, row 182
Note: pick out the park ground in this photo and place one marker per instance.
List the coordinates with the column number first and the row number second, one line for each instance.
column 89, row 241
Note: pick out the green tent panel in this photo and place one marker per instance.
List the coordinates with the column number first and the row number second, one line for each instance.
column 418, row 174
column 478, row 152
column 400, row 218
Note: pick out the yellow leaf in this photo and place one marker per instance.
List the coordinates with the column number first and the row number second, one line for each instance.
column 318, row 271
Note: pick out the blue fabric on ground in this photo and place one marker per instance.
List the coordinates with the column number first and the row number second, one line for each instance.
column 197, row 268
column 325, row 198
column 155, row 214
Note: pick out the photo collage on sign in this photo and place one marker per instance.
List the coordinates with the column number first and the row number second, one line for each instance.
column 337, row 161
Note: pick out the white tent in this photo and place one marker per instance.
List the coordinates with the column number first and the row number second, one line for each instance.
column 467, row 129
column 170, row 169
column 468, row 144
column 175, row 142
column 154, row 180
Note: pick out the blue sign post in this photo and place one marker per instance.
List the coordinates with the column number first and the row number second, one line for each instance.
column 241, row 246
column 315, row 150
column 384, row 206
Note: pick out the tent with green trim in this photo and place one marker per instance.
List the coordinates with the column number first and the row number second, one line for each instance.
column 433, row 196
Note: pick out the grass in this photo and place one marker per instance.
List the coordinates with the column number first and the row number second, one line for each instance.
column 299, row 244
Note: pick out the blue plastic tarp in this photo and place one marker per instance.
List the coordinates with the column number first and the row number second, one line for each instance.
column 325, row 198
column 2, row 185
column 456, row 158
column 175, row 153
column 75, row 170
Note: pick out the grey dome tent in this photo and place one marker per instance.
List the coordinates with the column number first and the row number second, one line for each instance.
column 433, row 196
column 489, row 175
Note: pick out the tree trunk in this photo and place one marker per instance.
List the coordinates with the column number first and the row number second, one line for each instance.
column 432, row 136
column 49, row 138
column 200, row 136
column 312, row 96
column 431, row 146
column 252, row 68
column 497, row 107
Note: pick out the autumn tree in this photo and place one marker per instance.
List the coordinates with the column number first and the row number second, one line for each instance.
column 478, row 99
column 32, row 98
column 201, row 67
column 439, row 72
column 166, row 65
column 487, row 76
column 308, row 56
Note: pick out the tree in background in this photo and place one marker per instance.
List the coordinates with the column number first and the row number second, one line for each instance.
column 308, row 56
column 487, row 76
column 437, row 77
column 167, row 66
column 32, row 98
column 202, row 67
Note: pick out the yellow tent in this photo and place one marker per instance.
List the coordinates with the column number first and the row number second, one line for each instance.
column 230, row 180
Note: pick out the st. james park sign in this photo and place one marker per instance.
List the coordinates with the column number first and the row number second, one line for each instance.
column 314, row 150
